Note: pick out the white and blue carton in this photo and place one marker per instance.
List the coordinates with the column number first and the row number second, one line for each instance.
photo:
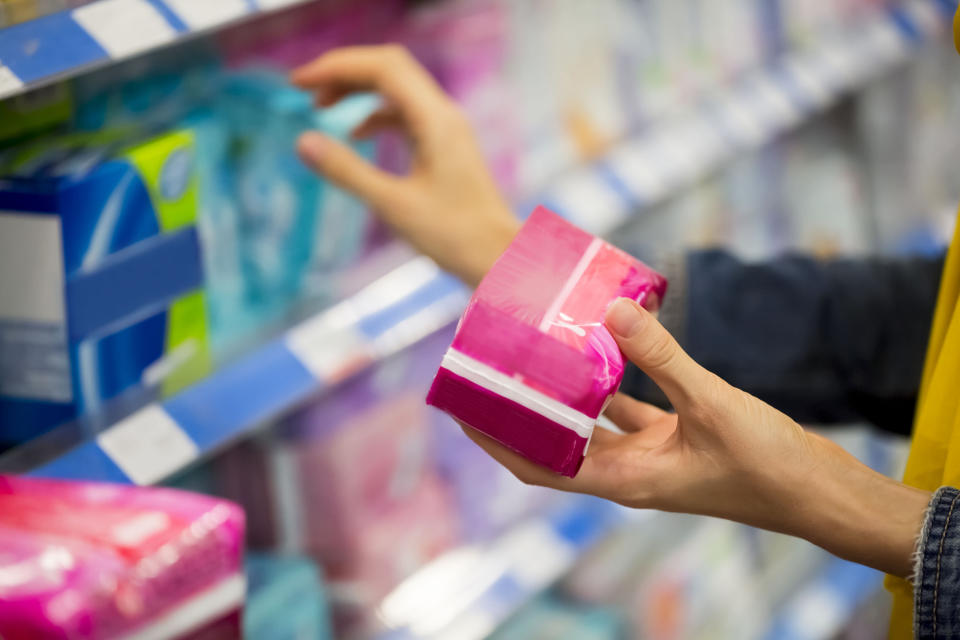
column 101, row 282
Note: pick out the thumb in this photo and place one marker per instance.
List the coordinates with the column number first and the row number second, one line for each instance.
column 651, row 347
column 346, row 168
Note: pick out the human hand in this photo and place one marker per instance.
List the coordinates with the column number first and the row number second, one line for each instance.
column 725, row 453
column 448, row 205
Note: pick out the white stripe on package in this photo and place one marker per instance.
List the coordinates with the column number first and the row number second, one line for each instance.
column 503, row 385
column 200, row 609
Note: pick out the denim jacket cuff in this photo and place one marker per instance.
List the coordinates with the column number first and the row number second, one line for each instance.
column 937, row 573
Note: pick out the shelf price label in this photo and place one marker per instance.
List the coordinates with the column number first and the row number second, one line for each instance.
column 208, row 13
column 9, row 83
column 329, row 346
column 276, row 4
column 124, row 27
column 148, row 446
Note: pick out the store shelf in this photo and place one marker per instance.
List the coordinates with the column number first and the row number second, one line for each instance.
column 471, row 591
column 681, row 150
column 162, row 438
column 416, row 299
column 467, row 593
column 67, row 43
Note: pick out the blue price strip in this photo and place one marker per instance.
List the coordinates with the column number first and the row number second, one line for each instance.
column 164, row 438
column 69, row 42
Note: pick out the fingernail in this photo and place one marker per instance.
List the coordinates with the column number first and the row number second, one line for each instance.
column 623, row 317
column 310, row 147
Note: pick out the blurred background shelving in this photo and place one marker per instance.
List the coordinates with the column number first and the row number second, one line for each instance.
column 763, row 126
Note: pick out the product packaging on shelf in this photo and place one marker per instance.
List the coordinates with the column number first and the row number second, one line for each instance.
column 351, row 480
column 298, row 36
column 464, row 45
column 343, row 222
column 232, row 319
column 277, row 197
column 373, row 524
column 292, row 229
column 532, row 365
column 147, row 94
column 550, row 617
column 98, row 561
column 285, row 599
column 100, row 282
column 41, row 109
column 489, row 498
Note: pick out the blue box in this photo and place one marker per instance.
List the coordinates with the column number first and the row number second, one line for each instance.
column 100, row 283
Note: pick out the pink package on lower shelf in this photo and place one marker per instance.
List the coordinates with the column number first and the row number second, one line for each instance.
column 532, row 365
column 98, row 561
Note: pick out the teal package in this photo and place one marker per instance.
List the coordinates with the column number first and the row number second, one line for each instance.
column 551, row 617
column 343, row 220
column 233, row 319
column 276, row 197
column 100, row 284
column 294, row 229
column 286, row 599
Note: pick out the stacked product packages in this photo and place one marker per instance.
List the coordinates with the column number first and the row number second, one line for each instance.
column 102, row 281
column 422, row 489
column 512, row 66
column 130, row 265
column 96, row 561
column 368, row 525
column 273, row 233
column 830, row 189
column 532, row 365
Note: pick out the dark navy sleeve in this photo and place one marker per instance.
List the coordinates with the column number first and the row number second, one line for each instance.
column 825, row 341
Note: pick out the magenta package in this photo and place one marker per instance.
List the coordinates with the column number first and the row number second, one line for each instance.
column 531, row 364
column 92, row 561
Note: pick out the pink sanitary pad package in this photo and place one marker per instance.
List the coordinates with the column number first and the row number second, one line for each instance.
column 91, row 561
column 531, row 364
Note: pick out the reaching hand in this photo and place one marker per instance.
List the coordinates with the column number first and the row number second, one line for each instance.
column 723, row 453
column 448, row 205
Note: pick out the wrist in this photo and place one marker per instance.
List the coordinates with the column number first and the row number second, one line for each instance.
column 489, row 247
column 845, row 507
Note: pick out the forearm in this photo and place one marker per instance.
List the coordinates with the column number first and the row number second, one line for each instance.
column 850, row 510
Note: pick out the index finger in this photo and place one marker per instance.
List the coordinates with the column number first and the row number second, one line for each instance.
column 388, row 69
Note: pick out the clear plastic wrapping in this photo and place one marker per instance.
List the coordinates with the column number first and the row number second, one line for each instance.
column 531, row 364
column 98, row 561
